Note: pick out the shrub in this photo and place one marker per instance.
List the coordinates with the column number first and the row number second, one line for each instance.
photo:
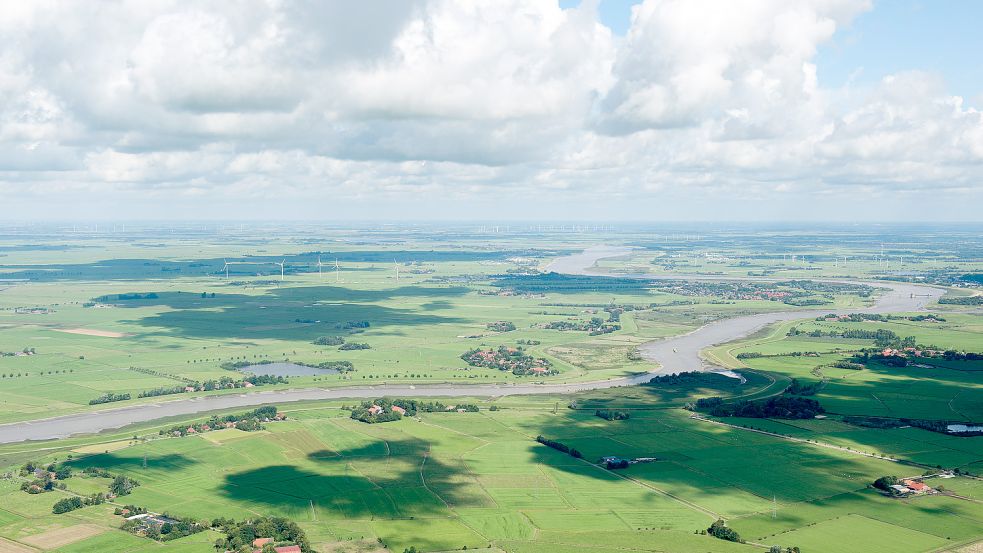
column 66, row 504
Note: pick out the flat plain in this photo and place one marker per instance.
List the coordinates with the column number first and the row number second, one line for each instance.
column 83, row 317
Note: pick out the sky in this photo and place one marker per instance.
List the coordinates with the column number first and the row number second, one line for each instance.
column 578, row 110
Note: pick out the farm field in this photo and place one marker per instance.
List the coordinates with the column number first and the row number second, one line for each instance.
column 89, row 323
column 128, row 317
column 448, row 480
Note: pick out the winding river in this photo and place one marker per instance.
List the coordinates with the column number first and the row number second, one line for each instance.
column 678, row 353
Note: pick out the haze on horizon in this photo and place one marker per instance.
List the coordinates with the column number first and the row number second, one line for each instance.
column 798, row 110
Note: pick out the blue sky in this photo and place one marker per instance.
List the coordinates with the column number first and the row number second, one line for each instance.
column 941, row 36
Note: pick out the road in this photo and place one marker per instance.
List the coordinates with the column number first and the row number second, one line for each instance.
column 674, row 354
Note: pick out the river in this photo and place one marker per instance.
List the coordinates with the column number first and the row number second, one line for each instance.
column 682, row 353
column 678, row 353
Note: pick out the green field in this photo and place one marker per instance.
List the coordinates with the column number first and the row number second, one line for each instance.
column 444, row 481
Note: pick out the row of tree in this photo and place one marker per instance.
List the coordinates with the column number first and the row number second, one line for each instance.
column 781, row 407
column 239, row 536
column 559, row 447
column 109, row 397
column 68, row 504
column 248, row 422
column 612, row 415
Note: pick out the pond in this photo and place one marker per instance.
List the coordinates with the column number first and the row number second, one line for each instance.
column 285, row 368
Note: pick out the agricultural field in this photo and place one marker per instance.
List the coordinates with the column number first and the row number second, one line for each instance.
column 130, row 316
column 90, row 322
column 443, row 481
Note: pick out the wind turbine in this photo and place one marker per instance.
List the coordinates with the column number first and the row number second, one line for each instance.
column 337, row 275
column 281, row 263
column 396, row 265
column 319, row 265
column 226, row 268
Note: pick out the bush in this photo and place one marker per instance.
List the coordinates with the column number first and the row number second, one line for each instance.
column 66, row 504
column 784, row 407
column 340, row 366
column 720, row 530
column 354, row 346
column 122, row 485
column 608, row 414
column 885, row 482
column 109, row 398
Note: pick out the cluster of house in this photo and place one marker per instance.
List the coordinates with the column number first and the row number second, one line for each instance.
column 201, row 388
column 963, row 428
column 147, row 520
column 44, row 474
column 905, row 352
column 205, row 427
column 258, row 543
column 910, row 486
column 378, row 410
column 611, row 460
column 32, row 310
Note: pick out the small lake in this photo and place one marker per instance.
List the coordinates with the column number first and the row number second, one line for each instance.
column 286, row 369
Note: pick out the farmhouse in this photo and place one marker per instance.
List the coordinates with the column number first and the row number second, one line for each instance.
column 260, row 542
column 902, row 490
column 281, row 549
column 375, row 410
column 398, row 409
column 960, row 428
column 915, row 486
column 146, row 521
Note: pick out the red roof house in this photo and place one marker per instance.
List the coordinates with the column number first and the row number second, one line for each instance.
column 281, row 549
column 915, row 486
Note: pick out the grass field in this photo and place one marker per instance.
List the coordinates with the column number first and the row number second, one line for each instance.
column 449, row 480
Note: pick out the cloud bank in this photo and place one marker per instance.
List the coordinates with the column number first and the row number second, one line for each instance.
column 435, row 108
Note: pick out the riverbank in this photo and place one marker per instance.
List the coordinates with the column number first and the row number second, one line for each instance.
column 678, row 353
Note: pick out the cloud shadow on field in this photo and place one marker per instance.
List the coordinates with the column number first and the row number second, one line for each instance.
column 393, row 479
column 113, row 462
column 250, row 266
column 301, row 313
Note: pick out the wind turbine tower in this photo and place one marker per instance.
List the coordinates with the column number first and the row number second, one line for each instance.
column 337, row 275
column 226, row 268
column 281, row 263
column 319, row 265
column 396, row 265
